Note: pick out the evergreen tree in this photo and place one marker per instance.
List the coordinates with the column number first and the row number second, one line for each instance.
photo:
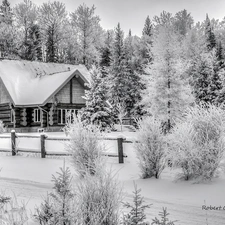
column 135, row 69
column 148, row 27
column 146, row 42
column 136, row 216
column 183, row 22
column 209, row 34
column 97, row 110
column 201, row 71
column 215, row 80
column 56, row 209
column 44, row 213
column 206, row 78
column 128, row 48
column 118, row 70
column 51, row 46
column 6, row 12
column 163, row 219
column 220, row 54
column 62, row 195
column 124, row 81
column 219, row 71
column 106, row 53
column 34, row 52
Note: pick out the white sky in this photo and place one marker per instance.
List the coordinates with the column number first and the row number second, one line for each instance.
column 132, row 13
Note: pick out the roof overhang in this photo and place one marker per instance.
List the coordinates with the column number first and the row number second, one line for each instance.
column 45, row 82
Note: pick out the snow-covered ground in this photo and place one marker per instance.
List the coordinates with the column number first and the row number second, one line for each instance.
column 29, row 178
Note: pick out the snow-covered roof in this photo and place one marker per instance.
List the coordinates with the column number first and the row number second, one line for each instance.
column 34, row 83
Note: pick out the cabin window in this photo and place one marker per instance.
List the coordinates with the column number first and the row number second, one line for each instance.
column 12, row 116
column 37, row 115
column 65, row 115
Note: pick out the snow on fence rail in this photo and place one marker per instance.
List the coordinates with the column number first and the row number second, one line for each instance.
column 14, row 149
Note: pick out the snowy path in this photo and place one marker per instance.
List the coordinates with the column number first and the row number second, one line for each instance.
column 29, row 178
column 187, row 214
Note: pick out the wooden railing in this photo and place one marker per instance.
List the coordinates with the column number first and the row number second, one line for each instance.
column 42, row 150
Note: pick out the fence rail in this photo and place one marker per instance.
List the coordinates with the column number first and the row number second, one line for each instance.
column 14, row 150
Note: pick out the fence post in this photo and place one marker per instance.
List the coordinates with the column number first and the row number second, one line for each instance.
column 43, row 152
column 13, row 142
column 120, row 148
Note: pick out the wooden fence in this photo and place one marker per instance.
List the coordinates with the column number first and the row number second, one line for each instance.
column 43, row 137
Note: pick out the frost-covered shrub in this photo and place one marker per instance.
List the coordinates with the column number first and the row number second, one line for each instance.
column 150, row 148
column 2, row 127
column 97, row 199
column 197, row 143
column 182, row 150
column 84, row 146
column 11, row 212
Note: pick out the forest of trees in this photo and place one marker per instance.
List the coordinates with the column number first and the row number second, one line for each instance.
column 175, row 62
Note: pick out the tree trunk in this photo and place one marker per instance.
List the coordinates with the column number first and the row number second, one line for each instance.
column 168, row 107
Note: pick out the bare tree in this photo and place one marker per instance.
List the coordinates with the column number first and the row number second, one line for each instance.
column 89, row 32
column 52, row 19
column 26, row 14
column 122, row 112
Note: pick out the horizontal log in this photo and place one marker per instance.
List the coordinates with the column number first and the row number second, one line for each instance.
column 27, row 136
column 58, row 138
column 4, row 108
column 9, row 125
column 28, row 150
column 5, row 116
column 6, row 120
column 5, row 150
column 4, row 104
column 5, row 111
column 70, row 106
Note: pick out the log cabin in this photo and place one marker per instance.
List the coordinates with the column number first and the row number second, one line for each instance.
column 36, row 95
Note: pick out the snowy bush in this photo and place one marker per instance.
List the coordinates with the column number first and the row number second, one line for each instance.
column 151, row 147
column 97, row 199
column 11, row 212
column 84, row 146
column 2, row 127
column 182, row 150
column 197, row 144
